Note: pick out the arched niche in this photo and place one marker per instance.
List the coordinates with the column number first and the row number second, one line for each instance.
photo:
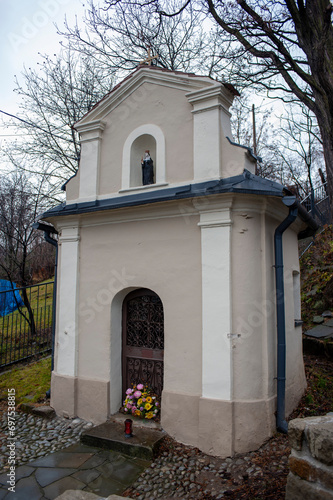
column 139, row 146
column 148, row 136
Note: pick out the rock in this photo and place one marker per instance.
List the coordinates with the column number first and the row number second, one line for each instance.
column 320, row 331
column 295, row 433
column 318, row 320
column 84, row 495
column 76, row 421
column 320, row 440
column 298, row 489
column 327, row 314
column 311, row 460
column 44, row 411
column 309, row 472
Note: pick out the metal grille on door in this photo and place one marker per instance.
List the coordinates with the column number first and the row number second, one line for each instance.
column 143, row 340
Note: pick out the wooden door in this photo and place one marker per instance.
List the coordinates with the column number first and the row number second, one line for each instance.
column 143, row 340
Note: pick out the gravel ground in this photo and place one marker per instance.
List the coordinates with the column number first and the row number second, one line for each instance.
column 178, row 472
column 37, row 436
column 181, row 471
column 184, row 472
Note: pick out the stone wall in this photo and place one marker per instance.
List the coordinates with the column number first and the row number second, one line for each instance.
column 311, row 459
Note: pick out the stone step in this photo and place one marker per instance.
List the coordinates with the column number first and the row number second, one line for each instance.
column 111, row 436
column 137, row 422
column 85, row 495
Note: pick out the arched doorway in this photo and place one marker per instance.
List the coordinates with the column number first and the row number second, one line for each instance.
column 143, row 340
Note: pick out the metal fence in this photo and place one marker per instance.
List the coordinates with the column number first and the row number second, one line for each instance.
column 27, row 332
column 317, row 203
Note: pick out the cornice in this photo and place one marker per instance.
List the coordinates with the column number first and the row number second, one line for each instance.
column 214, row 95
column 90, row 130
column 182, row 82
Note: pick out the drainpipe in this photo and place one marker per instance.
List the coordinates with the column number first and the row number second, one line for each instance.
column 47, row 231
column 289, row 201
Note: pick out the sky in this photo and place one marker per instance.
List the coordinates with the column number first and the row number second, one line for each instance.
column 27, row 28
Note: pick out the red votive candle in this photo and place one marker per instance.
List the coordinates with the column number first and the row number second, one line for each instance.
column 128, row 428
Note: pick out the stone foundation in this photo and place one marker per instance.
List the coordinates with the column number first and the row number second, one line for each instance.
column 219, row 428
column 311, row 459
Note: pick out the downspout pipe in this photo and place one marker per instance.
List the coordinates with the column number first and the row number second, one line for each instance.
column 289, row 201
column 47, row 231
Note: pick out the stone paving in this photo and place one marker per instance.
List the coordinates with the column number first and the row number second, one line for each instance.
column 37, row 436
column 77, row 467
column 51, row 460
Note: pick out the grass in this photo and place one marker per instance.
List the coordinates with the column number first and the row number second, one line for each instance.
column 318, row 398
column 317, row 277
column 40, row 297
column 30, row 382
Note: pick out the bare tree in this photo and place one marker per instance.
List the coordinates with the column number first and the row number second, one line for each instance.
column 283, row 47
column 266, row 127
column 259, row 45
column 53, row 98
column 66, row 86
column 299, row 149
column 119, row 36
column 21, row 246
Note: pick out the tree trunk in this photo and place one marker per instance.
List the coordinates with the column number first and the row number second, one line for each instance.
column 31, row 321
column 325, row 122
column 328, row 153
column 315, row 36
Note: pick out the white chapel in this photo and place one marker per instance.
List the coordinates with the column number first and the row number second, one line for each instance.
column 166, row 267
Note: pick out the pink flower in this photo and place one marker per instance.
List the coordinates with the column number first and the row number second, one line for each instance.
column 140, row 387
column 137, row 394
column 129, row 391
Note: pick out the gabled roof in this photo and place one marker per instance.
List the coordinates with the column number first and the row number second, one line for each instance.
column 151, row 74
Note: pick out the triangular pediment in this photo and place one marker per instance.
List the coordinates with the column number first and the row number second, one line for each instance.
column 187, row 82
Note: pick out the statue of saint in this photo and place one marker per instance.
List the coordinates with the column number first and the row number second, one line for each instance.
column 147, row 169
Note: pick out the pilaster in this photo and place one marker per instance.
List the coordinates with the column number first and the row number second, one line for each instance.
column 67, row 302
column 211, row 121
column 216, row 304
column 90, row 139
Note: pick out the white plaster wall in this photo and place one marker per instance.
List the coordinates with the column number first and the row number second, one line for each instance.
column 207, row 144
column 254, row 308
column 193, row 127
column 248, row 273
column 165, row 107
column 294, row 364
column 163, row 255
column 73, row 187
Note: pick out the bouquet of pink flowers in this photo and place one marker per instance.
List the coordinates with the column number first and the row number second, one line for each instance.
column 141, row 402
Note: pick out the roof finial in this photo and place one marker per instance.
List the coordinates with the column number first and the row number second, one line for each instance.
column 150, row 58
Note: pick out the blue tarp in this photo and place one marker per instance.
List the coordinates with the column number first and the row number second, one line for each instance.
column 9, row 300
